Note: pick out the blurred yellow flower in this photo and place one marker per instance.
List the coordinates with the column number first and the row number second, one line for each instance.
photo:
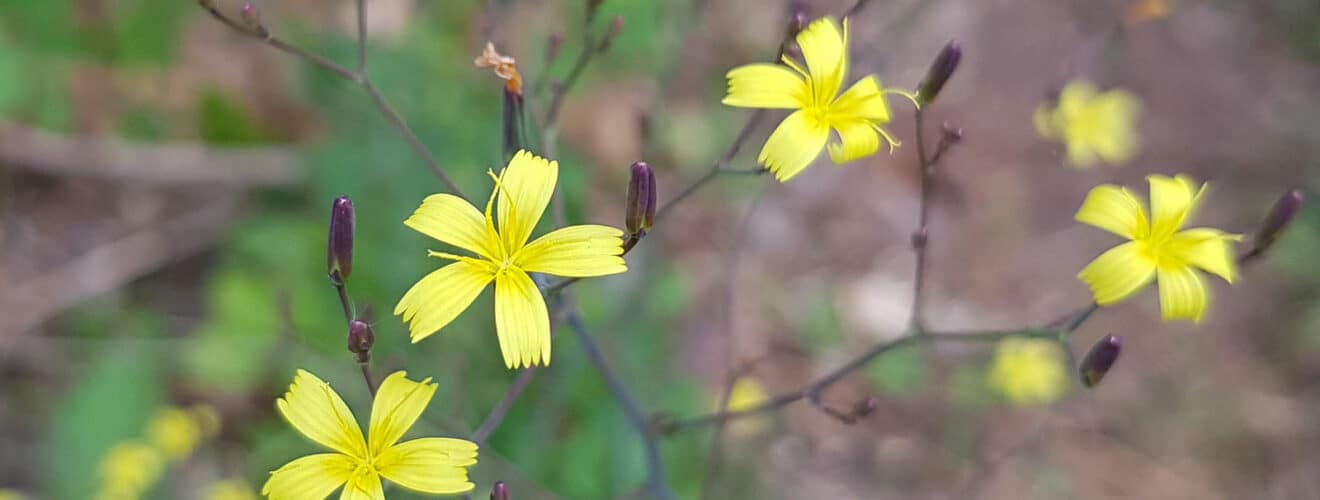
column 129, row 470
column 522, row 321
column 746, row 394
column 229, row 489
column 1158, row 250
column 428, row 465
column 856, row 115
column 1091, row 125
column 1029, row 371
column 174, row 432
column 8, row 494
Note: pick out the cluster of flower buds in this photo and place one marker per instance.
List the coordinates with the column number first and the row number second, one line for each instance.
column 640, row 206
column 1100, row 359
column 339, row 265
column 939, row 73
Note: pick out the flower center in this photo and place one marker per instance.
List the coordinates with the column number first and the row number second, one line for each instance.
column 1156, row 251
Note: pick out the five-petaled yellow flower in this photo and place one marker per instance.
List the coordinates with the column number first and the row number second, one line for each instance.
column 429, row 465
column 856, row 115
column 522, row 321
column 1158, row 250
column 1092, row 125
column 1028, row 371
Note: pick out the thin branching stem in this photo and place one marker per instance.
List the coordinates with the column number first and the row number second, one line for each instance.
column 359, row 77
column 497, row 414
column 656, row 482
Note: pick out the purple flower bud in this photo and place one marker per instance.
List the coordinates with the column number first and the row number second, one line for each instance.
column 865, row 407
column 360, row 339
column 940, row 71
column 514, row 123
column 1284, row 211
column 1100, row 359
column 499, row 492
column 339, row 251
column 641, row 200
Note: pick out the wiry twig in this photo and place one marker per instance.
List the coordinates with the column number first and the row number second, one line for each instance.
column 813, row 390
column 496, row 415
column 359, row 77
column 655, row 479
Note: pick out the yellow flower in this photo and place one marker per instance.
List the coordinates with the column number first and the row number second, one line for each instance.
column 856, row 115
column 1028, row 371
column 522, row 322
column 1092, row 125
column 229, row 489
column 8, row 494
column 128, row 470
column 429, row 465
column 174, row 432
column 746, row 394
column 1158, row 250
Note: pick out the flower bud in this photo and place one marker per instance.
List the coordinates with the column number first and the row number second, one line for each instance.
column 514, row 122
column 360, row 339
column 865, row 407
column 500, row 491
column 940, row 71
column 616, row 27
column 1284, row 211
column 339, row 251
column 252, row 19
column 641, row 200
column 1100, row 359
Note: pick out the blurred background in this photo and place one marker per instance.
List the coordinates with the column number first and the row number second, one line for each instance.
column 165, row 185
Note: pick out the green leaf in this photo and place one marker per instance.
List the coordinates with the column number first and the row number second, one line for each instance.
column 109, row 403
column 242, row 322
column 898, row 372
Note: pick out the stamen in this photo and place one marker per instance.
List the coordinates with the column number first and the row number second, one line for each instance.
column 893, row 143
column 910, row 96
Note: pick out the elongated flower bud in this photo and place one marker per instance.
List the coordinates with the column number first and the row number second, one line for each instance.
column 1100, row 359
column 339, row 251
column 514, row 123
column 360, row 339
column 500, row 491
column 252, row 18
column 1284, row 211
column 641, row 200
column 939, row 72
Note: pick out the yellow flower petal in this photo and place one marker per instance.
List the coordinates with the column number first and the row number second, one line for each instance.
column 399, row 402
column 1182, row 294
column 312, row 477
column 1074, row 98
column 1114, row 209
column 864, row 100
column 1080, row 153
column 1172, row 201
column 1207, row 249
column 364, row 485
column 316, row 411
column 793, row 145
column 766, row 86
column 825, row 49
column 453, row 220
column 858, row 140
column 430, row 465
column 575, row 251
column 528, row 182
column 441, row 296
column 1118, row 273
column 521, row 320
column 1046, row 122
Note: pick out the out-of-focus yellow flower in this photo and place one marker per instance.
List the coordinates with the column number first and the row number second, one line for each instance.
column 428, row 465
column 746, row 394
column 1029, row 371
column 1140, row 11
column 504, row 256
column 1092, row 125
column 8, row 494
column 174, row 432
column 229, row 489
column 128, row 470
column 1158, row 250
column 856, row 115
